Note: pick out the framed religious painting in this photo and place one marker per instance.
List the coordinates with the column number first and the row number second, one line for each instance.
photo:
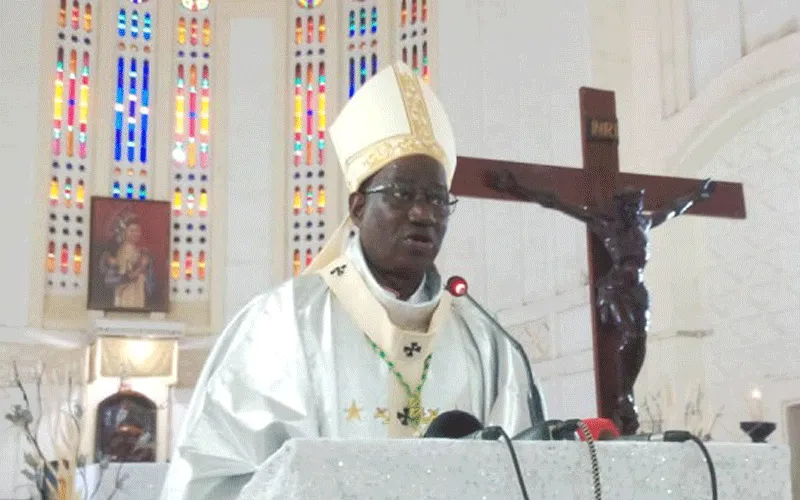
column 129, row 255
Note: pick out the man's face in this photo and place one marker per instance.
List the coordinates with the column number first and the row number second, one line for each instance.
column 402, row 214
column 630, row 205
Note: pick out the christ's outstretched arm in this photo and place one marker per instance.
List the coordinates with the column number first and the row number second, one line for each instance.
column 680, row 205
column 506, row 182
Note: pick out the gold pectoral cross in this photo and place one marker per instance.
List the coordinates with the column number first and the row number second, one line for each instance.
column 415, row 410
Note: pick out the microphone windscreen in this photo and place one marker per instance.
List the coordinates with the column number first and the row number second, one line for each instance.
column 601, row 429
column 453, row 424
column 457, row 286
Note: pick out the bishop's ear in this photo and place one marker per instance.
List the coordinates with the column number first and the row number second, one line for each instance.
column 356, row 205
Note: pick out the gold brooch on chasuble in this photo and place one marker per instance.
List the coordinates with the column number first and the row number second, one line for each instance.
column 427, row 417
column 353, row 412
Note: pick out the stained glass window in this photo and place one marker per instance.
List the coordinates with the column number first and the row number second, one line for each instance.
column 309, row 4
column 412, row 33
column 141, row 56
column 70, row 164
column 308, row 136
column 191, row 157
column 362, row 42
column 131, row 155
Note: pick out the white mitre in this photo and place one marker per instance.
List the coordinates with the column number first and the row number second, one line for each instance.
column 394, row 115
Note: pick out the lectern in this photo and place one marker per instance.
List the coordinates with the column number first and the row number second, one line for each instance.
column 556, row 470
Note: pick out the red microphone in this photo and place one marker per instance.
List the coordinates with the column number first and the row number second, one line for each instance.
column 457, row 286
column 601, row 429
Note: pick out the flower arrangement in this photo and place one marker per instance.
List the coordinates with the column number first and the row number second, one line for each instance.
column 59, row 405
column 697, row 416
column 659, row 411
column 652, row 420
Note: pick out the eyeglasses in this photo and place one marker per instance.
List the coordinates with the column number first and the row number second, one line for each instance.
column 403, row 197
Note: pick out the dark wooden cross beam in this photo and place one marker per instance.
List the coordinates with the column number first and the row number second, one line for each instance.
column 594, row 186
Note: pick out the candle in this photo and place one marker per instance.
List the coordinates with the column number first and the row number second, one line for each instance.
column 755, row 406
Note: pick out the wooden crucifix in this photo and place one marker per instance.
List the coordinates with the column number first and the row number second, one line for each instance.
column 605, row 198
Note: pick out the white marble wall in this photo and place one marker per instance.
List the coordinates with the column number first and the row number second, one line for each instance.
column 722, row 32
column 509, row 77
column 734, row 280
column 754, row 267
column 19, row 131
column 252, row 139
column 742, row 293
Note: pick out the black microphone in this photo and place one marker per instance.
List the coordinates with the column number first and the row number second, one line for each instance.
column 454, row 424
column 457, row 424
column 541, row 431
column 457, row 286
column 666, row 437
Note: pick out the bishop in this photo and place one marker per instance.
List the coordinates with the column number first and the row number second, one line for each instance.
column 367, row 326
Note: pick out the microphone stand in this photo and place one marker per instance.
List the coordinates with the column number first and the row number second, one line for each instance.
column 535, row 406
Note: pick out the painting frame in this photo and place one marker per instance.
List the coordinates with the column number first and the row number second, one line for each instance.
column 129, row 248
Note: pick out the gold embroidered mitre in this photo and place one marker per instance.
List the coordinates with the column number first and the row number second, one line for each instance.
column 394, row 115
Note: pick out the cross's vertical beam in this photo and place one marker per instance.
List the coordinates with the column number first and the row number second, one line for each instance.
column 599, row 135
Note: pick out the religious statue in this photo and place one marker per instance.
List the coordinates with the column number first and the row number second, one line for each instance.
column 622, row 300
column 126, row 428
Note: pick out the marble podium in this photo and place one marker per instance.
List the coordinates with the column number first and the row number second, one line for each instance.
column 443, row 469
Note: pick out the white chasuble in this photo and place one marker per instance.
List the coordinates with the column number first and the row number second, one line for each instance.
column 299, row 361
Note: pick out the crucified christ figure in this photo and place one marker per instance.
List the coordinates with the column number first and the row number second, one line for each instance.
column 622, row 299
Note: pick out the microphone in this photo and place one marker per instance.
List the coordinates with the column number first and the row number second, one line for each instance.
column 457, row 286
column 666, row 437
column 540, row 431
column 453, row 424
column 551, row 430
column 457, row 424
column 601, row 429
